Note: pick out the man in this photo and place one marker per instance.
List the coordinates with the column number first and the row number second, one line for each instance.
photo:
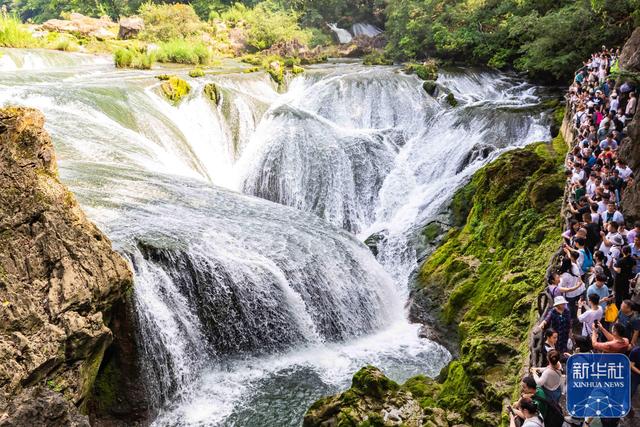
column 609, row 142
column 634, row 358
column 559, row 319
column 589, row 314
column 629, row 319
column 631, row 235
column 612, row 231
column 623, row 268
column 631, row 106
column 616, row 340
column 593, row 232
column 623, row 169
column 600, row 289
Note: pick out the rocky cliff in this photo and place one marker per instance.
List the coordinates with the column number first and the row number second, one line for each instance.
column 59, row 280
column 630, row 147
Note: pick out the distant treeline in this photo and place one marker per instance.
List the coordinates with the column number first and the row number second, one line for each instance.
column 545, row 38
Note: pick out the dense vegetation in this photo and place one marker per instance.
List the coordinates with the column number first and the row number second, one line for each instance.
column 545, row 38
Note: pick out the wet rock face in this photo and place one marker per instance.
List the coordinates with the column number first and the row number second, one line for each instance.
column 40, row 406
column 59, row 276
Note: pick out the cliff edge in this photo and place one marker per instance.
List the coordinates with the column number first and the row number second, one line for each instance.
column 59, row 280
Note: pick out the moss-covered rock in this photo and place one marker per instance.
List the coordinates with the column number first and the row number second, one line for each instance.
column 428, row 70
column 196, row 72
column 451, row 99
column 430, row 87
column 212, row 92
column 175, row 88
column 488, row 272
column 372, row 400
column 296, row 69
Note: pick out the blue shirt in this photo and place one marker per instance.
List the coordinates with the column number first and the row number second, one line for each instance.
column 602, row 292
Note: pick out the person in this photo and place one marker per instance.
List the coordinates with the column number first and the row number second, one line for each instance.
column 623, row 268
column 593, row 232
column 556, row 283
column 635, row 253
column 550, row 340
column 551, row 378
column 612, row 214
column 571, row 285
column 601, row 290
column 530, row 390
column 628, row 318
column 632, row 104
column 589, row 314
column 559, row 319
column 528, row 411
column 616, row 340
column 635, row 231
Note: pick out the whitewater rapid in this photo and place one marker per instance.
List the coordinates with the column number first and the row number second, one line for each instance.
column 244, row 221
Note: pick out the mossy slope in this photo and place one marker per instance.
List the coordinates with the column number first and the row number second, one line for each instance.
column 488, row 273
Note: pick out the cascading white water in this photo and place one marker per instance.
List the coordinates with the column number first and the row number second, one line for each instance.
column 365, row 29
column 250, row 310
column 343, row 35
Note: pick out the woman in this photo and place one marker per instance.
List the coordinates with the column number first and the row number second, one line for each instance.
column 572, row 283
column 528, row 411
column 550, row 340
column 571, row 231
column 551, row 378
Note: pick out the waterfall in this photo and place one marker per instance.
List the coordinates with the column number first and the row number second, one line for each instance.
column 365, row 29
column 343, row 35
column 244, row 220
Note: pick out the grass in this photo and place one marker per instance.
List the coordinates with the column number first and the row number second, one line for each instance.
column 14, row 34
column 133, row 58
column 181, row 51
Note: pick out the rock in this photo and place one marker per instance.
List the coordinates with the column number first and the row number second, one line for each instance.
column 212, row 92
column 175, row 89
column 130, row 27
column 630, row 54
column 197, row 72
column 59, row 276
column 82, row 25
column 362, row 45
column 430, row 87
column 372, row 398
column 40, row 406
column 375, row 240
column 451, row 99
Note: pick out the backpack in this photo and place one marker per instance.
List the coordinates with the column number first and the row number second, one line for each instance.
column 588, row 260
column 579, row 119
column 555, row 417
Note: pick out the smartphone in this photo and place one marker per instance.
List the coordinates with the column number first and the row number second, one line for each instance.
column 510, row 409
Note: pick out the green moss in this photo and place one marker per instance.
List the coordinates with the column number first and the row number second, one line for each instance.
column 212, row 92
column 376, row 58
column 429, row 86
column 451, row 99
column 163, row 77
column 197, row 72
column 105, row 390
column 431, row 231
column 297, row 70
column 371, row 382
column 428, row 70
column 252, row 70
column 175, row 89
column 489, row 271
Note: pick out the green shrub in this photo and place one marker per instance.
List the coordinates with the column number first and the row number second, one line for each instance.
column 14, row 34
column 164, row 22
column 428, row 70
column 319, row 38
column 266, row 24
column 183, row 52
column 133, row 58
column 376, row 58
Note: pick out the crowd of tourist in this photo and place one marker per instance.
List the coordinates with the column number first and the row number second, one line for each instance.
column 595, row 288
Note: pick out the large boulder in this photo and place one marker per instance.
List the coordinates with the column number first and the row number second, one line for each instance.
column 78, row 24
column 373, row 399
column 630, row 55
column 130, row 27
column 59, row 277
column 40, row 406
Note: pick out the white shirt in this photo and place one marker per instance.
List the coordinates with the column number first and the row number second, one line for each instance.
column 617, row 217
column 568, row 280
column 604, row 248
column 577, row 176
column 587, row 318
column 625, row 172
column 602, row 206
column 591, row 188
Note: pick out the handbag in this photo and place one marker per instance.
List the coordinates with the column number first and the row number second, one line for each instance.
column 611, row 313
